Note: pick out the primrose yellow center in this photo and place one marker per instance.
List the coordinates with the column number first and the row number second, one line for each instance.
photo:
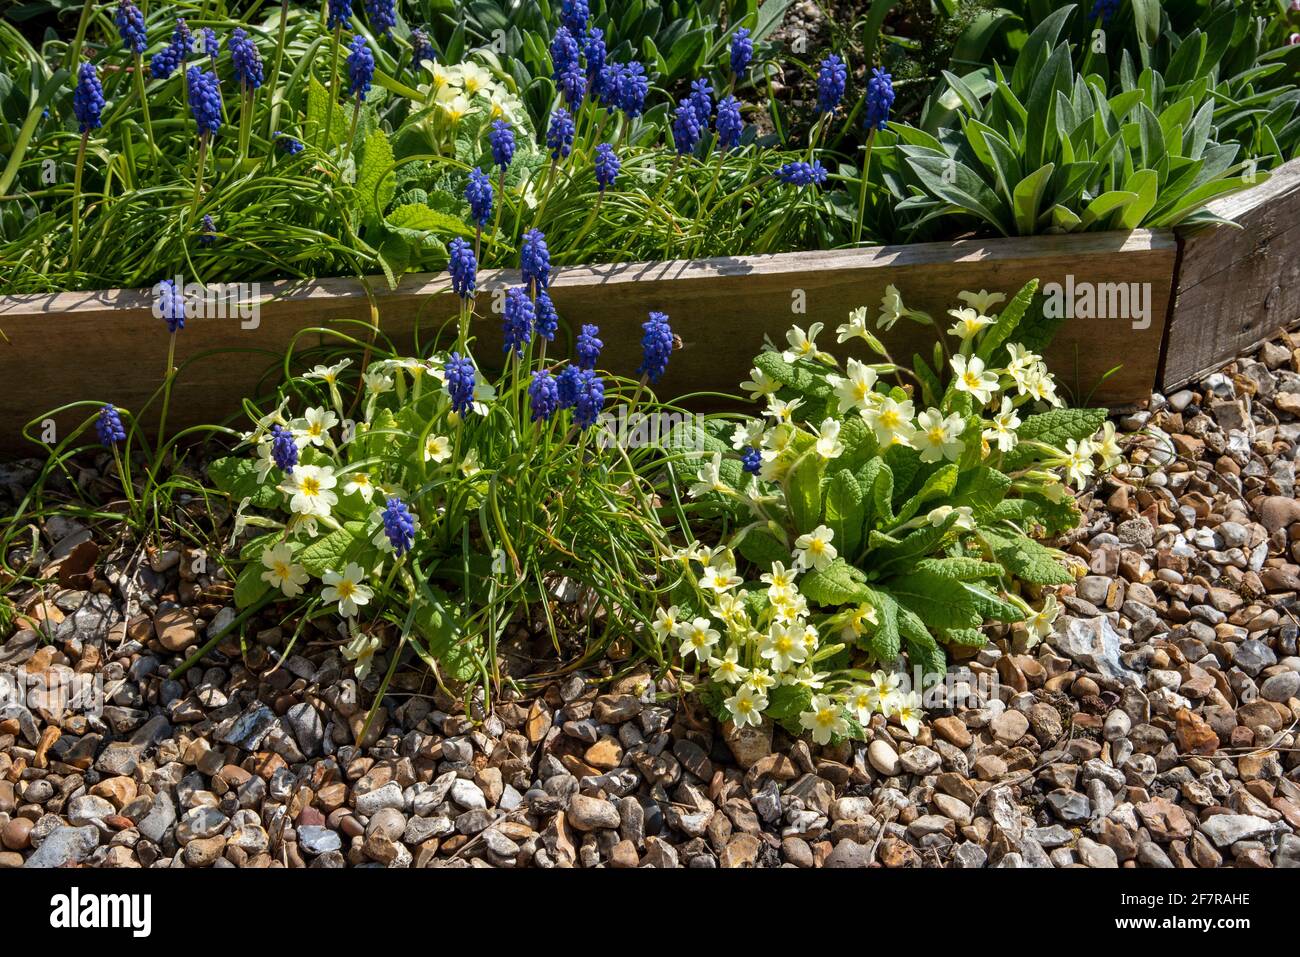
column 936, row 434
column 816, row 546
column 346, row 589
column 281, row 570
column 784, row 644
column 825, row 717
column 971, row 380
column 310, row 486
column 890, row 419
column 744, row 705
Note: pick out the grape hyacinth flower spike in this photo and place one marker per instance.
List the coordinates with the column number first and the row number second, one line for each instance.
column 543, row 396
column 205, row 100
column 535, row 260
column 800, row 173
column 109, row 426
column 421, row 47
column 399, row 526
column 574, row 14
column 546, row 320
column 517, row 321
column 211, row 44
column 502, row 141
column 559, row 135
column 657, row 343
column 361, row 68
column 633, row 87
column 458, row 374
column 463, row 266
column 587, row 349
column 339, row 12
column 284, row 450
column 607, row 166
column 686, row 128
column 564, row 52
column 701, row 100
column 742, row 51
column 247, row 61
column 382, row 15
column 751, row 460
column 573, row 85
column 590, row 399
column 170, row 304
column 478, row 193
column 566, row 385
column 831, row 78
column 1104, row 10
column 288, row 143
column 880, row 99
column 730, row 124
column 165, row 62
column 130, row 27
column 207, row 233
column 593, row 51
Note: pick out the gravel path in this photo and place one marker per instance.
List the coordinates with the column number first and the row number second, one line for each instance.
column 1156, row 728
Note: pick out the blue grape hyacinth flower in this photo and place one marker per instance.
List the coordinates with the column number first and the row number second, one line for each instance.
column 109, row 426
column 546, row 320
column 205, row 99
column 288, row 143
column 502, row 141
column 130, row 26
column 463, row 267
column 543, row 396
column 566, row 385
column 458, row 374
column 701, row 100
column 593, row 51
column 656, row 346
column 361, row 67
column 610, row 87
column 564, row 52
column 517, row 321
column 751, row 460
column 590, row 399
column 88, row 98
column 559, row 135
column 742, row 51
column 588, row 347
column 633, row 87
column 478, row 193
column 831, row 78
column 382, row 15
column 399, row 526
column 800, row 173
column 421, row 47
column 730, row 124
column 247, row 61
column 339, row 13
column 211, row 44
column 880, row 99
column 535, row 259
column 573, row 85
column 170, row 304
column 686, row 128
column 284, row 450
column 607, row 166
column 166, row 61
column 1105, row 10
column 574, row 14
column 207, row 230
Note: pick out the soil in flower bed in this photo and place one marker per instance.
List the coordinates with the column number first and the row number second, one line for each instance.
column 1155, row 728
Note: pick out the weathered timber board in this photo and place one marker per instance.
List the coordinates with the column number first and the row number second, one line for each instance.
column 106, row 346
column 1237, row 285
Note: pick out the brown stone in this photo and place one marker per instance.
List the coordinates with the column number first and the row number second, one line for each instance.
column 953, row 730
column 1194, row 734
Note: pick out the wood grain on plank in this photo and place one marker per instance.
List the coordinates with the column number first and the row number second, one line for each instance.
column 1237, row 284
column 106, row 346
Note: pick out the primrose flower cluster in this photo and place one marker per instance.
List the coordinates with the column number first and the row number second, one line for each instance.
column 875, row 518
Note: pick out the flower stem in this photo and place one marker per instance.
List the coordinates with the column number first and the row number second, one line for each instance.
column 167, row 393
column 198, row 176
column 144, row 102
column 75, row 252
column 862, row 190
column 334, row 85
column 275, row 72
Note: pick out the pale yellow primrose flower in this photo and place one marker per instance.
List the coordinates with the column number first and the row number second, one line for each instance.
column 727, row 669
column 281, row 571
column 825, row 720
column 972, row 378
column 855, row 328
column 698, row 638
column 983, row 300
column 828, row 444
column 1078, row 461
column 309, row 490
column 746, row 706
column 347, row 589
column 783, row 646
column 1040, row 624
column 968, row 324
column 710, row 479
column 1002, row 433
column 803, row 345
column 891, row 421
column 937, row 438
column 907, row 712
column 856, row 391
column 814, row 549
column 760, row 384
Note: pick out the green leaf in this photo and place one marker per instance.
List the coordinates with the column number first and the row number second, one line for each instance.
column 939, row 601
column 420, row 216
column 1008, row 321
column 804, row 491
column 991, row 606
column 885, row 642
column 376, row 182
column 959, row 568
column 319, row 111
column 939, row 484
column 839, row 583
column 787, row 702
column 1055, row 428
column 844, row 512
column 335, row 550
column 237, row 477
column 922, row 650
column 760, row 546
column 1026, row 559
column 250, row 586
column 443, row 637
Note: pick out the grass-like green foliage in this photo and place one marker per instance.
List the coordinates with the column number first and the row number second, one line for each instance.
column 1051, row 148
column 881, row 520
